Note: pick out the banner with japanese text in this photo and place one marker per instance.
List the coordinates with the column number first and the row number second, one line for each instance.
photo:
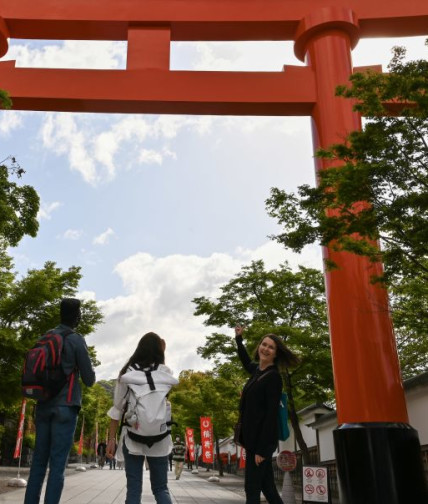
column 190, row 443
column 242, row 458
column 207, row 440
column 20, row 434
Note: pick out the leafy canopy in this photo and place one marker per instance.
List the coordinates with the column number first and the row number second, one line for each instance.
column 376, row 186
column 19, row 205
column 28, row 308
column 290, row 304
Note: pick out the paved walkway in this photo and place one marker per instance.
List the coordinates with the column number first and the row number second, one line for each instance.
column 96, row 486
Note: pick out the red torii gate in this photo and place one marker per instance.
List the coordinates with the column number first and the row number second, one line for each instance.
column 378, row 453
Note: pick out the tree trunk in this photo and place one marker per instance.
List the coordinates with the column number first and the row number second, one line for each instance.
column 295, row 420
column 219, row 461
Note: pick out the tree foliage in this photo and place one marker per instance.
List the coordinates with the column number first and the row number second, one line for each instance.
column 290, row 304
column 385, row 165
column 19, row 205
column 198, row 394
column 29, row 305
column 5, row 100
column 96, row 401
column 214, row 394
column 409, row 309
column 28, row 308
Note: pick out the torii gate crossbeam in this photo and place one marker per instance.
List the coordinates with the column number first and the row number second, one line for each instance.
column 378, row 453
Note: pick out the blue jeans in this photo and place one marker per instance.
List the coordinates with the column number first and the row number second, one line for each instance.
column 134, row 477
column 55, row 426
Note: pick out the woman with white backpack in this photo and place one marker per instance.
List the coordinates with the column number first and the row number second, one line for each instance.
column 141, row 406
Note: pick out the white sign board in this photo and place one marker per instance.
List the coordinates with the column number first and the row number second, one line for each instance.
column 315, row 484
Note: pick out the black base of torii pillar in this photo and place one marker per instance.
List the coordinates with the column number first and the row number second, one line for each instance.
column 385, row 466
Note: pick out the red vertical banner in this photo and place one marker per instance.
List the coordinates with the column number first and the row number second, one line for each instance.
column 80, row 450
column 20, row 433
column 242, row 458
column 190, row 443
column 207, row 440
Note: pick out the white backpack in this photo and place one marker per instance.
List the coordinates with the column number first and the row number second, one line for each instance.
column 147, row 415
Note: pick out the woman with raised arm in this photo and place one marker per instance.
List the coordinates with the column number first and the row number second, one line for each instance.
column 144, row 372
column 258, row 411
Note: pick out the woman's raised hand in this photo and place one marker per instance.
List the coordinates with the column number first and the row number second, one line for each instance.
column 239, row 330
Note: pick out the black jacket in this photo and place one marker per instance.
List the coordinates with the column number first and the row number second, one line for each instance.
column 259, row 406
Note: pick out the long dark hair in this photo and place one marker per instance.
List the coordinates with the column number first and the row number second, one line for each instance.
column 285, row 358
column 150, row 350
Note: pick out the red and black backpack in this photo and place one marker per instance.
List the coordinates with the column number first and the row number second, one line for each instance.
column 43, row 376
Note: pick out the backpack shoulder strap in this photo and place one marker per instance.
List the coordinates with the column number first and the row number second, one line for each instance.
column 266, row 374
column 150, row 381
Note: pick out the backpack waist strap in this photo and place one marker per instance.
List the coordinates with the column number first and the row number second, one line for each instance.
column 147, row 440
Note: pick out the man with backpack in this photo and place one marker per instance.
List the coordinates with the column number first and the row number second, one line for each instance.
column 56, row 416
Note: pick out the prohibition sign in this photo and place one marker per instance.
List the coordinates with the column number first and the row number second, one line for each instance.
column 309, row 472
column 315, row 484
column 286, row 461
column 321, row 490
column 309, row 489
column 320, row 473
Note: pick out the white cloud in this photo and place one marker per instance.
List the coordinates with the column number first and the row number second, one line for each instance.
column 96, row 147
column 237, row 56
column 103, row 238
column 87, row 296
column 70, row 54
column 150, row 157
column 61, row 134
column 159, row 293
column 72, row 234
column 46, row 209
column 274, row 254
column 10, row 121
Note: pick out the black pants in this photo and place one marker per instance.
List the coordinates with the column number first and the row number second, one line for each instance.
column 260, row 479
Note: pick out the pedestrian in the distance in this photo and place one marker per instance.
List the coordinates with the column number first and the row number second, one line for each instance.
column 56, row 418
column 178, row 453
column 112, row 460
column 258, row 410
column 101, row 452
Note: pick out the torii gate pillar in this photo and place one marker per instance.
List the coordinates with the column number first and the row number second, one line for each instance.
column 377, row 452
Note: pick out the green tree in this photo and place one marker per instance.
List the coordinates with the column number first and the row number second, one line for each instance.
column 19, row 205
column 28, row 308
column 214, row 394
column 96, row 401
column 29, row 305
column 384, row 165
column 409, row 309
column 290, row 304
column 5, row 100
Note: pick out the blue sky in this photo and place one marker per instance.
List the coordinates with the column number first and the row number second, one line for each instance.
column 157, row 210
